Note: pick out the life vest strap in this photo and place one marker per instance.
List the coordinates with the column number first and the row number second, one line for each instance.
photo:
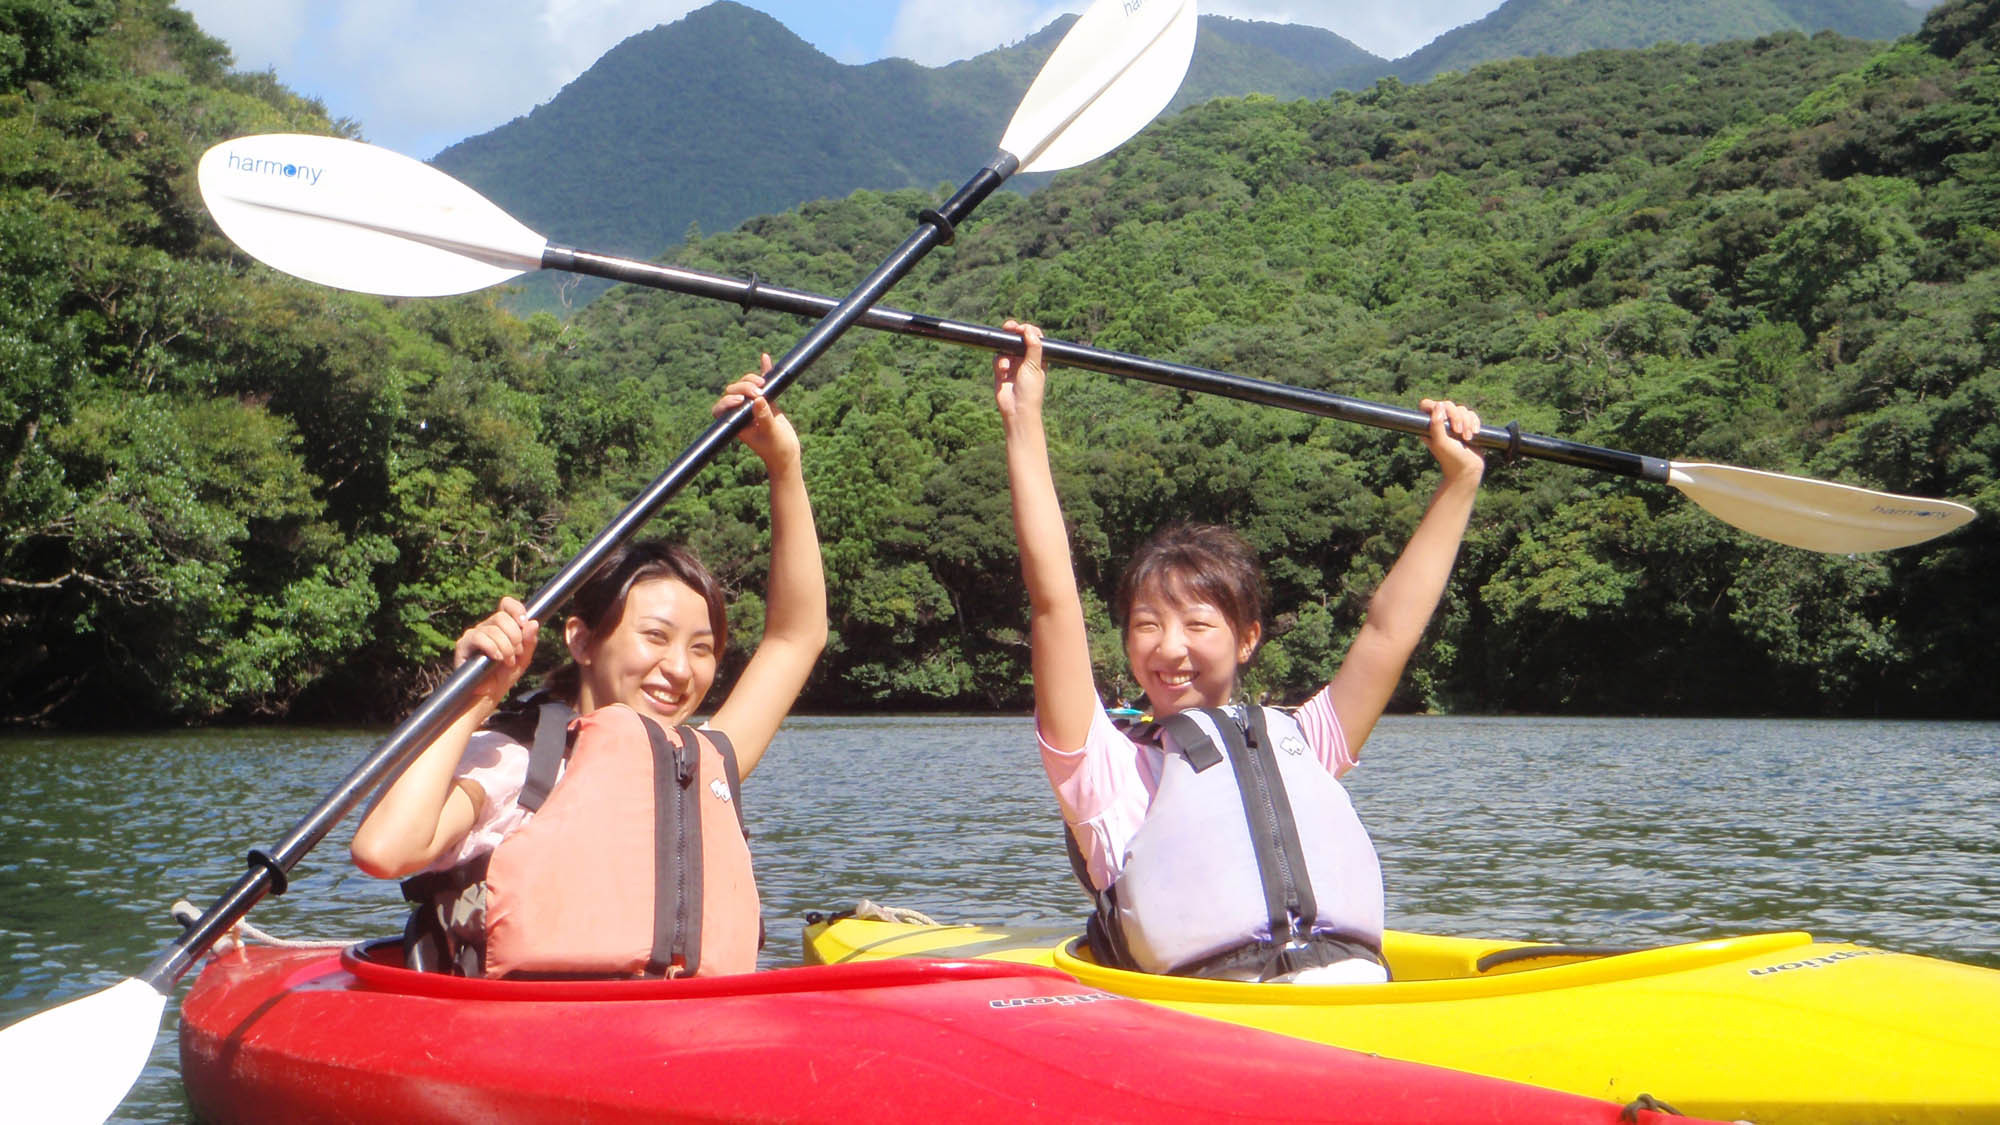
column 734, row 773
column 547, row 751
column 731, row 771
column 1193, row 742
column 1304, row 903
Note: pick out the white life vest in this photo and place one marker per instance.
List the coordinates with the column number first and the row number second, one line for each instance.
column 634, row 864
column 1250, row 858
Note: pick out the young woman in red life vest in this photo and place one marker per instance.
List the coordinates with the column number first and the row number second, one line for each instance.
column 616, row 847
column 1215, row 840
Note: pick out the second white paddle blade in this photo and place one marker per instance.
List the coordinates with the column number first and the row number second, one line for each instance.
column 1817, row 515
column 76, row 1062
column 1115, row 71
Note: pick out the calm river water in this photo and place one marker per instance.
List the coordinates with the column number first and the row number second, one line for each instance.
column 1585, row 830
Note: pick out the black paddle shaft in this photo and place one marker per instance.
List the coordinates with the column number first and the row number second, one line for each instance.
column 755, row 293
column 268, row 870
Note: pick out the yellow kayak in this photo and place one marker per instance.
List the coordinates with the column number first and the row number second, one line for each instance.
column 1768, row 1028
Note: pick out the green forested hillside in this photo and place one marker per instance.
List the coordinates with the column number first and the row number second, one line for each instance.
column 223, row 492
column 1725, row 252
column 226, row 493
column 726, row 113
column 1520, row 28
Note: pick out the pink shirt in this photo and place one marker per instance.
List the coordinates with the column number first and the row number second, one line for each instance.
column 1106, row 788
column 498, row 766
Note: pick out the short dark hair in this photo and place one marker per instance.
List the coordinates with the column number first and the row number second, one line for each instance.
column 600, row 601
column 1199, row 561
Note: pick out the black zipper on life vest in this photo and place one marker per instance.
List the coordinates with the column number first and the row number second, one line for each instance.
column 687, row 935
column 676, row 854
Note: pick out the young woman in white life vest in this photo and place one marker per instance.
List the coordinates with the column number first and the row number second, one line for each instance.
column 572, row 886
column 1215, row 840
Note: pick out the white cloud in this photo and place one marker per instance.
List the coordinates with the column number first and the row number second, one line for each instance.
column 580, row 31
column 467, row 67
column 420, row 76
column 261, row 35
column 935, row 32
column 1389, row 28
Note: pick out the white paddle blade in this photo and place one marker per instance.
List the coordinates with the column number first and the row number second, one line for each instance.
column 1115, row 71
column 75, row 1063
column 355, row 216
column 1837, row 519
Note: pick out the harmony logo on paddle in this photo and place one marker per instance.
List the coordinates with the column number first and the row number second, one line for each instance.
column 283, row 169
column 1918, row 513
column 1038, row 1001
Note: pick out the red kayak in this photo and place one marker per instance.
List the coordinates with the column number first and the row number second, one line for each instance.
column 311, row 1036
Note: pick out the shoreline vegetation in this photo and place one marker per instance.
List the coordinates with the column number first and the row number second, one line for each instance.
column 375, row 729
column 228, row 496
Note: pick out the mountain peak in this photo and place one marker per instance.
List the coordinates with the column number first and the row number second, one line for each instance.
column 726, row 113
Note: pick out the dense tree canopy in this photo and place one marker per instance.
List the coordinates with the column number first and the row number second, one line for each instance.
column 227, row 493
column 725, row 113
column 1565, row 27
column 220, row 490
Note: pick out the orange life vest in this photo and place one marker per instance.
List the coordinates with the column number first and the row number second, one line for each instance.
column 635, row 863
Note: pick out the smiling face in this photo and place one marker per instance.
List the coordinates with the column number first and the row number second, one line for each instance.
column 1184, row 651
column 659, row 659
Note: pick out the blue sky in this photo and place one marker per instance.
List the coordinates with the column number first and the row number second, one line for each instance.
column 421, row 74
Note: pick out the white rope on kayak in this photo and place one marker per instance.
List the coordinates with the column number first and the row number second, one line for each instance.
column 1649, row 1102
column 876, row 912
column 243, row 933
